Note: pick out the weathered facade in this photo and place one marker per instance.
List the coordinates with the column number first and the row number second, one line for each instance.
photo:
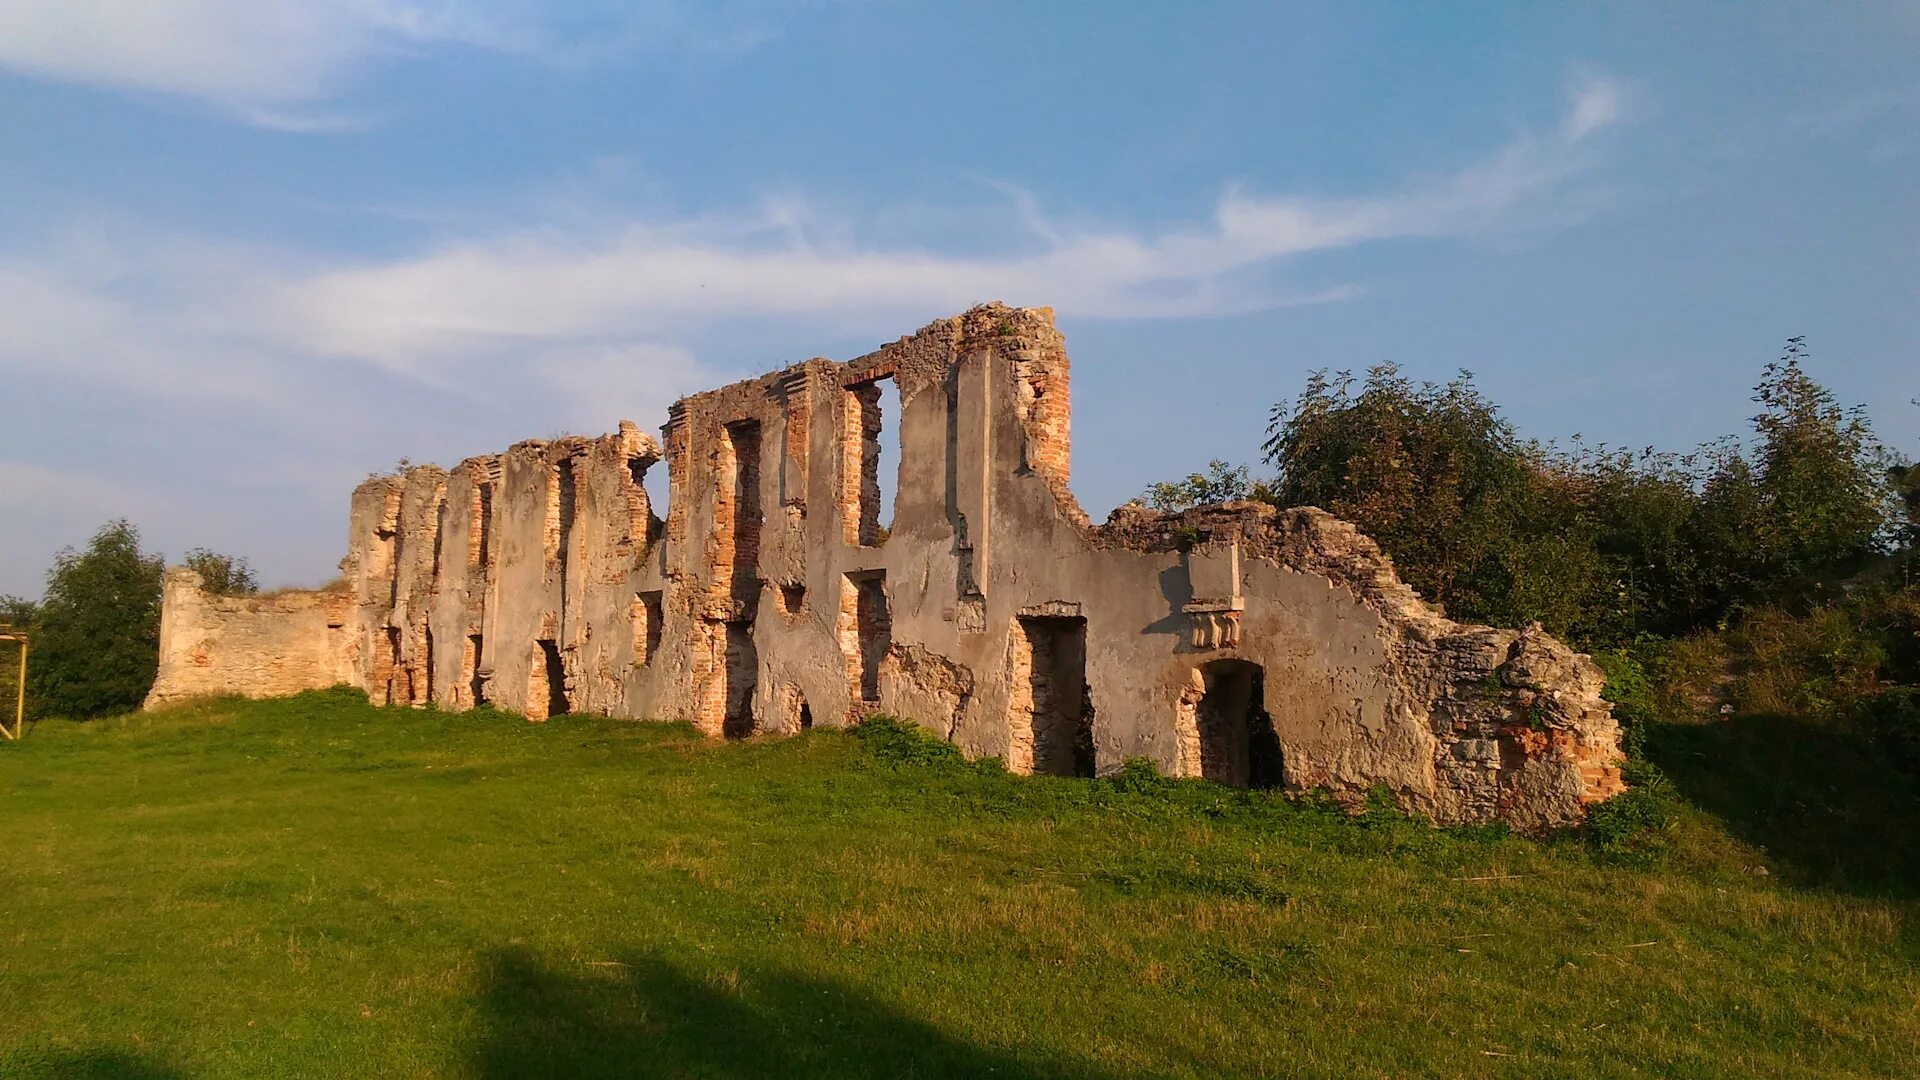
column 1238, row 642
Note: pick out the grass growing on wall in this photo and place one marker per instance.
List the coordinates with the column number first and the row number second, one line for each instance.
column 316, row 887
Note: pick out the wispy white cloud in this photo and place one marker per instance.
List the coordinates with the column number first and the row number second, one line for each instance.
column 139, row 312
column 639, row 278
column 272, row 62
column 178, row 316
column 1597, row 102
column 298, row 121
column 234, row 52
column 599, row 382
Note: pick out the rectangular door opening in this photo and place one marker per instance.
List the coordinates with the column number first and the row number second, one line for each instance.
column 866, row 633
column 1238, row 745
column 547, row 683
column 476, row 684
column 743, row 679
column 1052, row 705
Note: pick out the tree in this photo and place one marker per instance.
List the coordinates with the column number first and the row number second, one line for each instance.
column 1904, row 480
column 1436, row 476
column 97, row 634
column 1220, row 483
column 17, row 612
column 222, row 575
column 1599, row 545
column 1728, row 532
column 1821, row 474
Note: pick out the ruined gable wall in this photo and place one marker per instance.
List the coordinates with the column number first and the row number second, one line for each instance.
column 254, row 646
column 1377, row 688
column 767, row 597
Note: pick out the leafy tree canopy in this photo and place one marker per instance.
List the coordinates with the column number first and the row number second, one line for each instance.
column 1220, row 483
column 97, row 632
column 16, row 611
column 222, row 575
column 1598, row 544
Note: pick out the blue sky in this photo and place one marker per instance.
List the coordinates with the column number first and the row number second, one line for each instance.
column 251, row 250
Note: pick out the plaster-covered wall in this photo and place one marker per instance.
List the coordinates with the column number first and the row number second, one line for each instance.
column 255, row 646
column 1241, row 643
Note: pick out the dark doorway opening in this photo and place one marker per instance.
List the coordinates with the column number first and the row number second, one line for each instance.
column 548, row 688
column 396, row 669
column 1238, row 746
column 474, row 680
column 646, row 614
column 1057, row 701
column 743, row 677
column 866, row 632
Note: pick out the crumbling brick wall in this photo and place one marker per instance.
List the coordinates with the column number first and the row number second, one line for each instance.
column 1238, row 642
column 254, row 646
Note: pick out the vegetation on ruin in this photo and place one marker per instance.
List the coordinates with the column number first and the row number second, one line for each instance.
column 222, row 575
column 317, row 887
column 1221, row 483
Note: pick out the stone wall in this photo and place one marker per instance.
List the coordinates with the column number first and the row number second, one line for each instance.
column 255, row 646
column 1239, row 643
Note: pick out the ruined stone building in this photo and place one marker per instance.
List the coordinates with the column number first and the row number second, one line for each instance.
column 1238, row 643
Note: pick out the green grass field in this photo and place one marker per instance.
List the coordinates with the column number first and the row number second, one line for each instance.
column 315, row 887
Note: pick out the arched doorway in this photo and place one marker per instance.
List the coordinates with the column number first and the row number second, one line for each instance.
column 1235, row 736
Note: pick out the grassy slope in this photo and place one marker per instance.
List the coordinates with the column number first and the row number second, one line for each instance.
column 316, row 887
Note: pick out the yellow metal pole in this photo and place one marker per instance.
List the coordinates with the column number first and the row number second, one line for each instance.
column 20, row 692
column 20, row 695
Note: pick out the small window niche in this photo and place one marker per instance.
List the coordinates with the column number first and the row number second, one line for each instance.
column 793, row 599
column 547, row 683
column 647, row 619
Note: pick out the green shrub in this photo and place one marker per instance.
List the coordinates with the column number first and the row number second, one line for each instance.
column 1892, row 719
column 222, row 575
column 1816, row 665
column 1140, row 776
column 900, row 742
column 1630, row 686
column 1631, row 828
column 1690, row 675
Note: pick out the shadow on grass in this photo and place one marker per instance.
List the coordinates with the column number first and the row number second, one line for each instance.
column 648, row 1017
column 1822, row 801
column 92, row 1065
